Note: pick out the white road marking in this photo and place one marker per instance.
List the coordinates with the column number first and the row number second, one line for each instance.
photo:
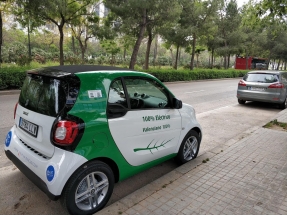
column 195, row 91
column 214, row 110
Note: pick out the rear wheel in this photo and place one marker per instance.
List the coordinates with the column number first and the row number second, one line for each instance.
column 189, row 147
column 89, row 189
column 242, row 102
column 284, row 104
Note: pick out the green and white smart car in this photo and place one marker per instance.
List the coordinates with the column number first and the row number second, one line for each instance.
column 80, row 129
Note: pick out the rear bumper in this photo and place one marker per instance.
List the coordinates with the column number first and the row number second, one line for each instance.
column 260, row 97
column 49, row 174
column 31, row 175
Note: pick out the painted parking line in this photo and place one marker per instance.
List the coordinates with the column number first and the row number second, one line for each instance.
column 195, row 91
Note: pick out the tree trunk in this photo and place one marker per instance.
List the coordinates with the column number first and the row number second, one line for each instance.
column 228, row 61
column 179, row 55
column 278, row 65
column 212, row 58
column 1, row 36
column 138, row 42
column 155, row 51
column 60, row 27
column 125, row 53
column 146, row 66
column 73, row 45
column 193, row 52
column 285, row 65
column 171, row 54
column 176, row 57
column 29, row 42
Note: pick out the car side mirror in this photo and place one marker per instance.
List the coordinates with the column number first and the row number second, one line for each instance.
column 177, row 104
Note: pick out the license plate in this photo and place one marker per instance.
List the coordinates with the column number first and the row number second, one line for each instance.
column 29, row 127
column 256, row 88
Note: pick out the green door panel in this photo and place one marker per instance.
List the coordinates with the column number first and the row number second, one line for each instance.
column 97, row 141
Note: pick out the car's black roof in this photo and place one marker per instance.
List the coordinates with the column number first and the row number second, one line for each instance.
column 85, row 68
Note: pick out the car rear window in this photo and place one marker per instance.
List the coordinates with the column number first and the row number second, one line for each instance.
column 47, row 95
column 261, row 77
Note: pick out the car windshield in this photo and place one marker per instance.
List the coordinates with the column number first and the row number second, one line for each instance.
column 46, row 95
column 261, row 77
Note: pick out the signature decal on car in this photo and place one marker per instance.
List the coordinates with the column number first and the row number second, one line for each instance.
column 155, row 146
column 155, row 118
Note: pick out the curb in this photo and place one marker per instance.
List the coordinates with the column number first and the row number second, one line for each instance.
column 146, row 191
column 9, row 92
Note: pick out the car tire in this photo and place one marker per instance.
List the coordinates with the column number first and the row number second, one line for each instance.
column 189, row 147
column 284, row 104
column 81, row 195
column 242, row 102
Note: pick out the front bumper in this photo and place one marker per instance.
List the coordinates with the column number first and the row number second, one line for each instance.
column 49, row 174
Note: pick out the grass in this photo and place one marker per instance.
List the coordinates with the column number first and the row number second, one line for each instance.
column 275, row 122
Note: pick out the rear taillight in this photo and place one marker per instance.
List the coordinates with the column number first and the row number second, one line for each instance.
column 65, row 132
column 276, row 85
column 242, row 83
column 15, row 109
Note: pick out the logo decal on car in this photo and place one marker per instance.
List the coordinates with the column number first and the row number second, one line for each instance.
column 8, row 139
column 50, row 173
column 155, row 146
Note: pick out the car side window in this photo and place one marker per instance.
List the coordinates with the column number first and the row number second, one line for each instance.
column 117, row 94
column 146, row 93
column 117, row 101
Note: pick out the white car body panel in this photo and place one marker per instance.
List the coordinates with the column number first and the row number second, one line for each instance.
column 42, row 142
column 136, row 139
column 64, row 163
column 188, row 121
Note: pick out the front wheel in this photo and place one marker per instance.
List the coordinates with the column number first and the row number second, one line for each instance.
column 189, row 147
column 89, row 189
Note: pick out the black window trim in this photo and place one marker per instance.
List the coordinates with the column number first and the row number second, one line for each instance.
column 122, row 79
column 169, row 96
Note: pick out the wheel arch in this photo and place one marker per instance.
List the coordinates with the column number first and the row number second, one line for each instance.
column 112, row 164
column 198, row 130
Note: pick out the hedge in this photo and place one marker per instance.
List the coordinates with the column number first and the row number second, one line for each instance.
column 12, row 77
column 169, row 75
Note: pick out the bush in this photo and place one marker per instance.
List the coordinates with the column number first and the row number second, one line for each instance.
column 168, row 75
column 11, row 77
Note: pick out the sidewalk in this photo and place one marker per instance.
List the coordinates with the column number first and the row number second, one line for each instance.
column 248, row 176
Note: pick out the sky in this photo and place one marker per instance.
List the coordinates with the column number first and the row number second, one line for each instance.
column 241, row 2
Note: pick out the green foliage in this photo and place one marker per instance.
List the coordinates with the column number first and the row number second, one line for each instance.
column 12, row 77
column 170, row 75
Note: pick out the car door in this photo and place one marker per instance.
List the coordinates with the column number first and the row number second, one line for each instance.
column 142, row 121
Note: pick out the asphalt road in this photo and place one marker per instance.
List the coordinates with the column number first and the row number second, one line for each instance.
column 218, row 112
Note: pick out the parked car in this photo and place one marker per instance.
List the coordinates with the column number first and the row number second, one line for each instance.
column 80, row 129
column 263, row 86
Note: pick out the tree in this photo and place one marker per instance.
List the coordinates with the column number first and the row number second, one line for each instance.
column 163, row 15
column 177, row 36
column 60, row 12
column 4, row 8
column 197, row 16
column 25, row 18
column 135, row 16
column 274, row 8
column 228, row 29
